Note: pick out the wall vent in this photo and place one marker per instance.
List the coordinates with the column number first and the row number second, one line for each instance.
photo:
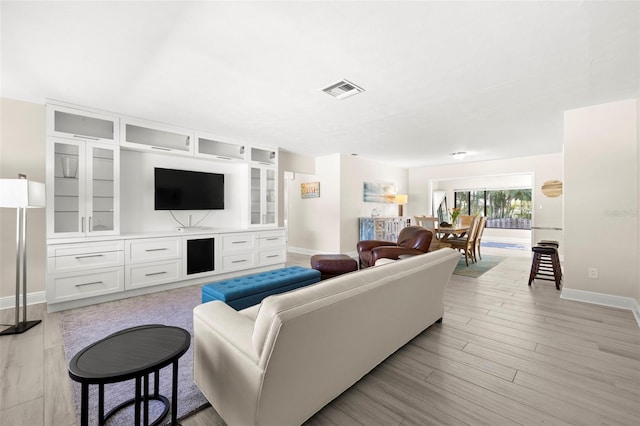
column 343, row 89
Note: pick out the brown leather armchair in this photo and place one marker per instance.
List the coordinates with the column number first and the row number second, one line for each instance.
column 412, row 240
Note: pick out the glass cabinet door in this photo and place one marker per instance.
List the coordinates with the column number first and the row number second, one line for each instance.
column 101, row 189
column 270, row 206
column 68, row 187
column 263, row 196
column 256, row 196
column 85, row 186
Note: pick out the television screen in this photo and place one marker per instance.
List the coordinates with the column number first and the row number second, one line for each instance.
column 188, row 190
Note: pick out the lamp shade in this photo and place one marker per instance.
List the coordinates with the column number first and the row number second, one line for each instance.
column 21, row 193
column 401, row 199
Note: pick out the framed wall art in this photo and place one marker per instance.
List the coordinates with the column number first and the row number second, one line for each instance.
column 310, row 190
column 379, row 192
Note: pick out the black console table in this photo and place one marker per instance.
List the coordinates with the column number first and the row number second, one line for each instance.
column 133, row 353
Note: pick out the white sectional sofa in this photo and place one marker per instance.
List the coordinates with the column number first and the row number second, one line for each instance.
column 279, row 362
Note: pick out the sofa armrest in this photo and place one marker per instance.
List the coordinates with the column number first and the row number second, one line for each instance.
column 367, row 245
column 231, row 326
column 225, row 364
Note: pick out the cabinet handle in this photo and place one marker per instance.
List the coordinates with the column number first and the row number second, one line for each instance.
column 155, row 273
column 86, row 137
column 160, row 149
column 239, row 261
column 82, row 223
column 157, row 249
column 89, row 255
column 238, row 242
column 223, row 158
column 272, row 239
column 92, row 283
column 273, row 255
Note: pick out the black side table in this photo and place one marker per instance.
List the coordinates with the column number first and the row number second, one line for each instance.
column 133, row 353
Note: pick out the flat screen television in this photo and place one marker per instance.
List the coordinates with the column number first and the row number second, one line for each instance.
column 188, row 190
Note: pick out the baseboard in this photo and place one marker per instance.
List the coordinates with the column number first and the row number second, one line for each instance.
column 309, row 252
column 302, row 251
column 32, row 299
column 603, row 299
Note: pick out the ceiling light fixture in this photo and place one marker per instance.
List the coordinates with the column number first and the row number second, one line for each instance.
column 343, row 89
column 458, row 155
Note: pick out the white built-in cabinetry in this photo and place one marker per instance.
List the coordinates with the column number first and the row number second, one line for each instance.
column 144, row 135
column 80, row 124
column 152, row 261
column 82, row 175
column 263, row 184
column 114, row 268
column 89, row 260
column 209, row 147
column 84, row 270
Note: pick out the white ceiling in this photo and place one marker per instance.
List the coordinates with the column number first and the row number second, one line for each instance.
column 489, row 78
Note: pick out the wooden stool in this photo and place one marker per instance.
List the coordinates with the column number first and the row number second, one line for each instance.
column 546, row 264
column 548, row 243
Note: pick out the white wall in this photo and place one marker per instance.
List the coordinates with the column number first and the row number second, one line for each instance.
column 355, row 172
column 601, row 198
column 638, row 209
column 547, row 212
column 137, row 193
column 305, row 214
column 22, row 150
column 289, row 162
column 332, row 224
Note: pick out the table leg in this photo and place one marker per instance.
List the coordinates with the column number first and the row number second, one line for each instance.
column 100, row 404
column 84, row 405
column 136, row 401
column 146, row 400
column 156, row 383
column 174, row 394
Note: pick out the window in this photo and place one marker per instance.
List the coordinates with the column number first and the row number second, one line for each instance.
column 505, row 208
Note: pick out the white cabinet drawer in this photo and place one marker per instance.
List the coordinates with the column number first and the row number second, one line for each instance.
column 242, row 241
column 274, row 241
column 79, row 285
column 55, row 250
column 152, row 249
column 238, row 261
column 85, row 261
column 153, row 274
column 268, row 257
column 270, row 234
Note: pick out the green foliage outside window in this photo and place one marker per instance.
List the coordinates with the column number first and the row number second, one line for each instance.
column 506, row 208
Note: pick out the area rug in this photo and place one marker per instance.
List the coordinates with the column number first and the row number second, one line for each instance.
column 475, row 270
column 83, row 326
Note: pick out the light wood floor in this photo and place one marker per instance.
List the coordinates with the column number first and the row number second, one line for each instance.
column 505, row 354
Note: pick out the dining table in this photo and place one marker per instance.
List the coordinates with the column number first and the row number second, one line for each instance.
column 454, row 231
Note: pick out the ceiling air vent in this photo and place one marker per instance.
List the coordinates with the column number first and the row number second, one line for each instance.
column 343, row 89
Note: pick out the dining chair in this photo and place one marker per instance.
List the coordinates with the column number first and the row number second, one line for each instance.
column 481, row 226
column 466, row 219
column 466, row 244
column 428, row 222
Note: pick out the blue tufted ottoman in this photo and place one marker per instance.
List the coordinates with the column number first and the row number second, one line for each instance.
column 242, row 292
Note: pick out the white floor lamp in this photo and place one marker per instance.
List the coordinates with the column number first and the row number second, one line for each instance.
column 21, row 194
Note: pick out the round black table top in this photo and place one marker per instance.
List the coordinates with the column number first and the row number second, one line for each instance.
column 129, row 353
